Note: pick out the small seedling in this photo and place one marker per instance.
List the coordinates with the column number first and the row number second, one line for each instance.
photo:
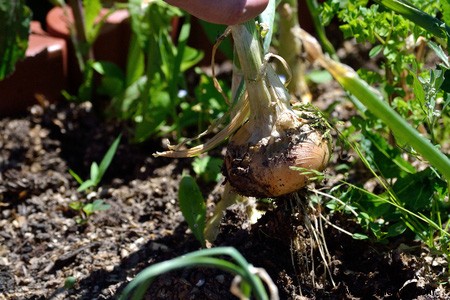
column 85, row 210
column 97, row 171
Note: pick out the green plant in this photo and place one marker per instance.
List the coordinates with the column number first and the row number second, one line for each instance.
column 268, row 135
column 88, row 19
column 148, row 93
column 407, row 200
column 193, row 207
column 15, row 19
column 70, row 282
column 97, row 171
column 208, row 168
column 249, row 280
column 85, row 210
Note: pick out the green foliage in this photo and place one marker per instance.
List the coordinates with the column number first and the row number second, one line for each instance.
column 15, row 19
column 193, row 207
column 92, row 9
column 403, row 199
column 148, row 93
column 406, row 199
column 250, row 282
column 208, row 168
column 88, row 21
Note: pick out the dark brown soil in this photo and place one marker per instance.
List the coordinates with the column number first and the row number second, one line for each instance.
column 41, row 245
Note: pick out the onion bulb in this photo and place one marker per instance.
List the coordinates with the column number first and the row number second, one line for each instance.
column 260, row 165
column 261, row 154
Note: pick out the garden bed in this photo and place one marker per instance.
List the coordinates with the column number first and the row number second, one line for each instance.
column 42, row 246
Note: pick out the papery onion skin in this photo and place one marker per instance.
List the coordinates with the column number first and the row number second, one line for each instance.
column 263, row 169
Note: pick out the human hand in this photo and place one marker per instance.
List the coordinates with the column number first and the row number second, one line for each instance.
column 227, row 12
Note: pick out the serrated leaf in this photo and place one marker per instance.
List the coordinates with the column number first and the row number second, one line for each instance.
column 193, row 207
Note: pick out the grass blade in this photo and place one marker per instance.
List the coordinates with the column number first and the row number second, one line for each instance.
column 76, row 176
column 106, row 161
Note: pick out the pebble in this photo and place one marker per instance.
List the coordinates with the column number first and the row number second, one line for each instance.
column 91, row 195
column 109, row 268
column 220, row 279
column 124, row 253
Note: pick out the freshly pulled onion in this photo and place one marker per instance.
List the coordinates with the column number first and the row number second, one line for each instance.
column 261, row 154
column 263, row 150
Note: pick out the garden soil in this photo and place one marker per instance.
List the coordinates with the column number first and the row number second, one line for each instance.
column 42, row 247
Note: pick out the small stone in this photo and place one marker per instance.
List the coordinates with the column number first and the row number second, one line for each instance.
column 109, row 268
column 124, row 253
column 220, row 279
column 91, row 195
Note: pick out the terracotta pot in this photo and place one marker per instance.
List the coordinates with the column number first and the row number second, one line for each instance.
column 41, row 75
column 111, row 44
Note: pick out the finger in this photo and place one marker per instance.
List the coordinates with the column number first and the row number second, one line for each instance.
column 227, row 12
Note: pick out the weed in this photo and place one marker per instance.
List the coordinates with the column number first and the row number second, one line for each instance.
column 412, row 100
column 85, row 210
column 148, row 93
column 97, row 171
